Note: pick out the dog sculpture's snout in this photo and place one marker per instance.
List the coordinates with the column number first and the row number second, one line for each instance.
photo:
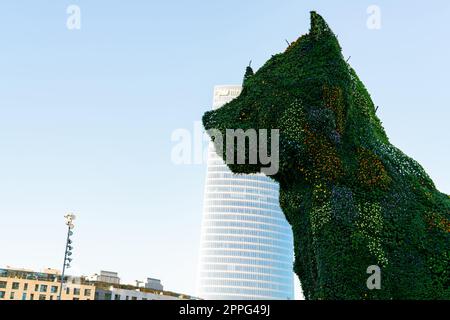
column 209, row 121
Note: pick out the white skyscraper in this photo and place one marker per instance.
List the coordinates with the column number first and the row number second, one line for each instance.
column 246, row 242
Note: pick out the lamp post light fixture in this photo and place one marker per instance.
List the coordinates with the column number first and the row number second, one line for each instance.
column 70, row 217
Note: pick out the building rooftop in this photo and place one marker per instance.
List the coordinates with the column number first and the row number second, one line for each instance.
column 50, row 275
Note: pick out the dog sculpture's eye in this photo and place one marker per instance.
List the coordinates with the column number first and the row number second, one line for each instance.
column 244, row 115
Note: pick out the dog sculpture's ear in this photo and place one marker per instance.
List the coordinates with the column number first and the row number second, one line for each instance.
column 248, row 74
column 319, row 27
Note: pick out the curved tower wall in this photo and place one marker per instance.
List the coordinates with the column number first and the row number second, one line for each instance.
column 246, row 243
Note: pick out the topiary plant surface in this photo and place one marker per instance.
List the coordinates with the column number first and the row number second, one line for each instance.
column 352, row 198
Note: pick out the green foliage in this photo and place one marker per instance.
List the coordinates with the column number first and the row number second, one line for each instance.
column 370, row 226
column 248, row 73
column 352, row 199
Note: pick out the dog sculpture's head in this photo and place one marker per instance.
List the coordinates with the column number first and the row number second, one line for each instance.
column 308, row 93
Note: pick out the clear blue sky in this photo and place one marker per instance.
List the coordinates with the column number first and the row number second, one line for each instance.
column 86, row 116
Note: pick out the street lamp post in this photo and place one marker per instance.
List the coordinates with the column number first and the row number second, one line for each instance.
column 68, row 251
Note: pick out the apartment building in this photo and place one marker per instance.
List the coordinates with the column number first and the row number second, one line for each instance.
column 22, row 284
column 124, row 292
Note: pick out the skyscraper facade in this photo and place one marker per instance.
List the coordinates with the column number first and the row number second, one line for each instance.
column 246, row 243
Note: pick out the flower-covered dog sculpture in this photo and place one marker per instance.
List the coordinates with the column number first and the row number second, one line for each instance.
column 353, row 199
